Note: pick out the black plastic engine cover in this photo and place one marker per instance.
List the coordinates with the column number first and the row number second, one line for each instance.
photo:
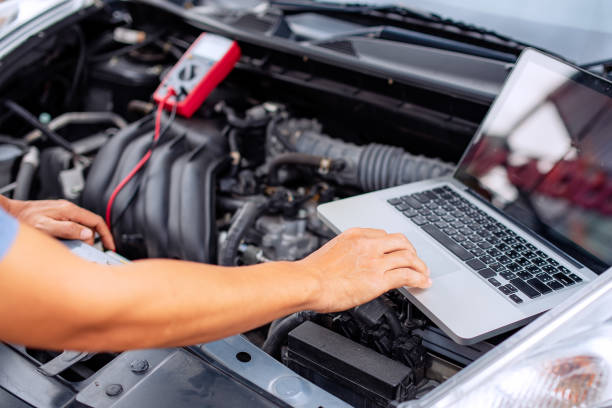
column 168, row 208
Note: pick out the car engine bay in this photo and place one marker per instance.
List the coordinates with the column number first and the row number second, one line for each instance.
column 238, row 183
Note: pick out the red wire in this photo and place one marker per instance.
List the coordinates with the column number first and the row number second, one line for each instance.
column 142, row 162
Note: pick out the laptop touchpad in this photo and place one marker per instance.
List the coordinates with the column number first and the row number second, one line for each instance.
column 437, row 260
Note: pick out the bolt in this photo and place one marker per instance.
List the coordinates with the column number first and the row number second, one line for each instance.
column 112, row 390
column 139, row 366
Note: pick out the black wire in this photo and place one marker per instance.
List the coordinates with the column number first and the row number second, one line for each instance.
column 79, row 70
column 34, row 122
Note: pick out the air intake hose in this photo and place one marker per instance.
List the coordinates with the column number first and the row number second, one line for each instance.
column 370, row 167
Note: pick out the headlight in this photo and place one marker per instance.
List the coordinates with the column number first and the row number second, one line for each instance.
column 573, row 373
column 561, row 360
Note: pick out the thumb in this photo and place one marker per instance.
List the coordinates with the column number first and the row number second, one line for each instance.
column 68, row 230
column 407, row 277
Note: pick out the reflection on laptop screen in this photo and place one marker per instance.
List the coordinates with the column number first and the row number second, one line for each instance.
column 544, row 157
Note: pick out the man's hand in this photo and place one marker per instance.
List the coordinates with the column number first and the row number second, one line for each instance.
column 361, row 264
column 61, row 219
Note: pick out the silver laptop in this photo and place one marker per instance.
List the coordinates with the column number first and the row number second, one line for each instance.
column 525, row 220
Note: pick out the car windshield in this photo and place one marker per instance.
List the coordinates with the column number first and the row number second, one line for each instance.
column 580, row 31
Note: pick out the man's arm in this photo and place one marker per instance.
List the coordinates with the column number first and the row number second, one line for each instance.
column 51, row 299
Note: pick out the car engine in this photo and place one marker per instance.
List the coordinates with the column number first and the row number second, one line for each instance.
column 238, row 183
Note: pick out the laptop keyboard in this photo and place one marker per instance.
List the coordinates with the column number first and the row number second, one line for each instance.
column 505, row 260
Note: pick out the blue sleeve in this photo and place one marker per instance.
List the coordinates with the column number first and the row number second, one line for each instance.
column 8, row 232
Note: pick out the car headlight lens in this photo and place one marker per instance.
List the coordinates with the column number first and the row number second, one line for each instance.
column 572, row 373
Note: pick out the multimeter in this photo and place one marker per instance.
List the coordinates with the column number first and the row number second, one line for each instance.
column 206, row 63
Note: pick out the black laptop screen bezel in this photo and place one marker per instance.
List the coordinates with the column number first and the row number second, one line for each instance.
column 590, row 80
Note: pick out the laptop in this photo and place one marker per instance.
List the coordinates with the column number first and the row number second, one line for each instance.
column 526, row 218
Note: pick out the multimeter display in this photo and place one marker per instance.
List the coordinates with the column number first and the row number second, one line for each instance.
column 206, row 63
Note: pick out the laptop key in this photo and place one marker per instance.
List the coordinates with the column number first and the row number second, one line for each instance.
column 494, row 281
column 488, row 259
column 513, row 267
column 575, row 277
column 522, row 261
column 555, row 285
column 412, row 202
column 524, row 275
column 447, row 242
column 505, row 290
column 476, row 264
column 516, row 299
column 402, row 206
column 419, row 220
column 544, row 277
column 563, row 269
column 441, row 224
column 529, row 254
column 484, row 245
column 564, row 279
column 411, row 212
column 494, row 252
column 425, row 212
column 521, row 285
column 468, row 245
column 532, row 269
column 539, row 285
column 507, row 275
column 504, row 260
column 549, row 269
column 497, row 267
column 394, row 201
column 511, row 288
column 538, row 261
column 477, row 252
column 513, row 254
column 474, row 238
column 459, row 238
column 486, row 273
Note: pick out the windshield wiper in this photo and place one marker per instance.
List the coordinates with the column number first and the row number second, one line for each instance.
column 399, row 14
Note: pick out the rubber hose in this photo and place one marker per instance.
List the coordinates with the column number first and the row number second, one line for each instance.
column 244, row 219
column 383, row 166
column 281, row 328
column 27, row 169
column 370, row 167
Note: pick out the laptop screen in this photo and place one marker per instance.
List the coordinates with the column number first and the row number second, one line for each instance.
column 543, row 156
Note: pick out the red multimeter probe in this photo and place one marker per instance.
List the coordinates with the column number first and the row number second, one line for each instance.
column 206, row 63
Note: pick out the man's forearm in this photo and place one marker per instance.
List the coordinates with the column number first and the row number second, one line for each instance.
column 73, row 304
column 158, row 303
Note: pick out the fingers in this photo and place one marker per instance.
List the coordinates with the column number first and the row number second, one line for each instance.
column 396, row 242
column 91, row 220
column 407, row 277
column 405, row 259
column 66, row 230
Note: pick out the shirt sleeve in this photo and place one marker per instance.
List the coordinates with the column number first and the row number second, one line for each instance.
column 8, row 232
